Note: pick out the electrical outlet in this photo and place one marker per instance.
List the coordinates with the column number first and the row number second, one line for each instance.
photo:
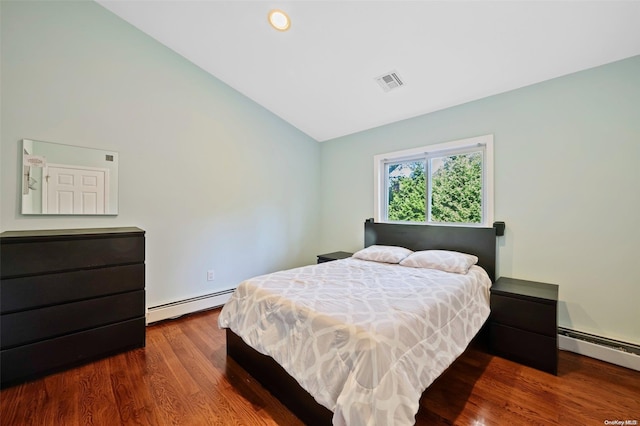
column 211, row 275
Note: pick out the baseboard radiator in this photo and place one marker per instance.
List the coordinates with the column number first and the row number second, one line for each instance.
column 609, row 350
column 187, row 306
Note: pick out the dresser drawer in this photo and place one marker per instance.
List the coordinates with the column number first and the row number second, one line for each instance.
column 33, row 360
column 528, row 348
column 525, row 314
column 24, row 258
column 29, row 326
column 18, row 294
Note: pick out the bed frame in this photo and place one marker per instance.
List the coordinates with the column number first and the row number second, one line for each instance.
column 477, row 241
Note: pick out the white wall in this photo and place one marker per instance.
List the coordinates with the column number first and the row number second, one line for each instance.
column 214, row 179
column 567, row 184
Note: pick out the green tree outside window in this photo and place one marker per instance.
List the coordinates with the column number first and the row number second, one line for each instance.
column 456, row 190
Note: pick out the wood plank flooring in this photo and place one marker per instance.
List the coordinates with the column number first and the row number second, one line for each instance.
column 183, row 377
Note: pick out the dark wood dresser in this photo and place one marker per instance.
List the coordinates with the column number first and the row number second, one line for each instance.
column 524, row 322
column 68, row 297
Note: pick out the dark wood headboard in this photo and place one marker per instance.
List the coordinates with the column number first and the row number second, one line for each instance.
column 480, row 242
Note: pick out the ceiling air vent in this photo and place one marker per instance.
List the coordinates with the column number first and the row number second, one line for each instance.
column 390, row 81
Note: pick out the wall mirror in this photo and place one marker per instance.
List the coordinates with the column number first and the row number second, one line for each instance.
column 68, row 180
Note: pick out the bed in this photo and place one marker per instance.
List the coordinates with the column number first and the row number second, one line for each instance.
column 356, row 341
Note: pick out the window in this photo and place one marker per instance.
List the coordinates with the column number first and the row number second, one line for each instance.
column 449, row 183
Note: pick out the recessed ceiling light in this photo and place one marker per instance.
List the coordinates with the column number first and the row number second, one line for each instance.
column 279, row 20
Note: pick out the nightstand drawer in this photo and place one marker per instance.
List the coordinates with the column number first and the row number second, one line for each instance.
column 524, row 314
column 531, row 349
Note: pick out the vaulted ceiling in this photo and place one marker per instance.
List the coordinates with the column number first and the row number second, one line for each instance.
column 320, row 75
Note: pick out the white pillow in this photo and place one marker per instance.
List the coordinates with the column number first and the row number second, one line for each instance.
column 386, row 254
column 444, row 260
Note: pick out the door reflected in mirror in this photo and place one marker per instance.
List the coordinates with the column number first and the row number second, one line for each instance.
column 68, row 180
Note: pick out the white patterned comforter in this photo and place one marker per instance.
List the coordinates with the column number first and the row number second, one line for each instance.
column 365, row 339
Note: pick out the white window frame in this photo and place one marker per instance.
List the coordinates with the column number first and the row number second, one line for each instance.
column 446, row 148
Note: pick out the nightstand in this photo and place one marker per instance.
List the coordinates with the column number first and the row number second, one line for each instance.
column 336, row 255
column 523, row 324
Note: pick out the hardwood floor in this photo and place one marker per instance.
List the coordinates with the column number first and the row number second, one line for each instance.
column 183, row 377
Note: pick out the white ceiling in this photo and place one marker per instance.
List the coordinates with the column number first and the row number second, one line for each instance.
column 320, row 75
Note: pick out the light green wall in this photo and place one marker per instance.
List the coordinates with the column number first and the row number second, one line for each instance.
column 204, row 170
column 567, row 184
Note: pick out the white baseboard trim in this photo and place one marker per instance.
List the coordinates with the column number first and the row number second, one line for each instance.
column 603, row 353
column 187, row 306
